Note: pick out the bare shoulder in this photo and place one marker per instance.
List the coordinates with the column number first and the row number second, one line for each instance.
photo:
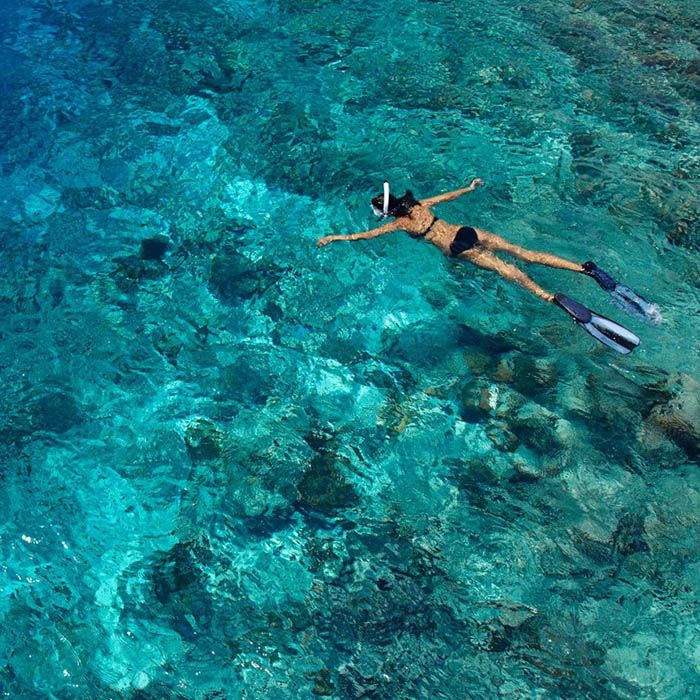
column 421, row 211
column 403, row 223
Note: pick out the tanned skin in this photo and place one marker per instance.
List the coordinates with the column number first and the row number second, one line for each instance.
column 483, row 254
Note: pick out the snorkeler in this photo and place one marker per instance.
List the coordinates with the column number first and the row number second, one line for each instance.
column 479, row 247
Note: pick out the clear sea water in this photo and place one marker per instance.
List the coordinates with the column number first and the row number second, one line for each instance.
column 238, row 466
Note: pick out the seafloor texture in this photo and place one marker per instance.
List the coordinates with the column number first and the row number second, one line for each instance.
column 237, row 466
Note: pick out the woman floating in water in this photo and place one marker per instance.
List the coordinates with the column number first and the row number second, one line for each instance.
column 480, row 247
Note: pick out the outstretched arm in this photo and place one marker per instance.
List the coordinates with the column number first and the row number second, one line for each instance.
column 372, row 233
column 449, row 196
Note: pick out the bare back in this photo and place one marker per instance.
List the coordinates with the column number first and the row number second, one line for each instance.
column 421, row 221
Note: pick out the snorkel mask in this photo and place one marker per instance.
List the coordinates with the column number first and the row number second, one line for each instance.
column 384, row 211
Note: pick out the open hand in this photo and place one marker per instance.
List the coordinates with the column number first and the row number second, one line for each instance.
column 475, row 183
column 325, row 241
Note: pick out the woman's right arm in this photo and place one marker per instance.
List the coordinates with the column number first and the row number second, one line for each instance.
column 372, row 233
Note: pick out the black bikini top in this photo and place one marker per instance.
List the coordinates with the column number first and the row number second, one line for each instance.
column 427, row 231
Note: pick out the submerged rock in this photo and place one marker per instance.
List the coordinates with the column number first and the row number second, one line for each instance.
column 502, row 437
column 39, row 206
column 234, row 277
column 55, row 412
column 50, row 410
column 590, row 545
column 475, row 480
column 176, row 569
column 534, row 375
column 478, row 400
column 537, row 427
column 323, row 487
column 154, row 248
column 681, row 226
column 525, row 472
column 252, row 378
column 628, row 537
column 678, row 416
column 323, row 685
column 204, row 440
column 178, row 577
column 168, row 345
column 504, row 371
column 132, row 270
column 512, row 614
column 57, row 291
column 89, row 197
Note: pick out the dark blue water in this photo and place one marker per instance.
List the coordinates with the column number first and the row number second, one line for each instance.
column 238, row 466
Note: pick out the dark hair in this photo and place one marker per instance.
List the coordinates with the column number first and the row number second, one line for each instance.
column 397, row 207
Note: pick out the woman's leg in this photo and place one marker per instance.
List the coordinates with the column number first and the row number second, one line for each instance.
column 487, row 260
column 493, row 242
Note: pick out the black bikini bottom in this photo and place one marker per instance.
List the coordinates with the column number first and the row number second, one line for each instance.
column 465, row 239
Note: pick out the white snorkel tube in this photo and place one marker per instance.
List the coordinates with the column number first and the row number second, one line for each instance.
column 385, row 208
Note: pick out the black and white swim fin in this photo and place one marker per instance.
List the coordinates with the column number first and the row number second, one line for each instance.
column 603, row 329
column 624, row 297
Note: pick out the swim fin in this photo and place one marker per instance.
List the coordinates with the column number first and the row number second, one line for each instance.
column 624, row 297
column 603, row 329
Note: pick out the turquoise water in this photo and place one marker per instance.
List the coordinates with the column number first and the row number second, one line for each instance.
column 238, row 466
